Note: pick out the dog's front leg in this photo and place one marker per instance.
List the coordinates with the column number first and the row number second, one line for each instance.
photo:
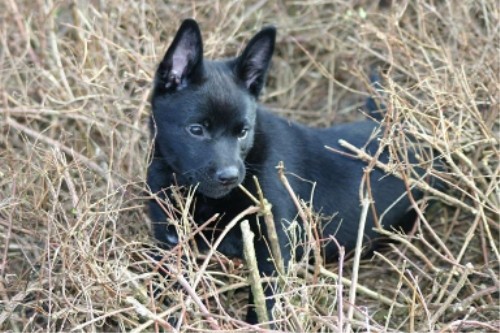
column 159, row 180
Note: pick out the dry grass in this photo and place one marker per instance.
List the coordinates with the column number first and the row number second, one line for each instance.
column 74, row 85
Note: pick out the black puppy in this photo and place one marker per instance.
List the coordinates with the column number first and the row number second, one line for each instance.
column 210, row 132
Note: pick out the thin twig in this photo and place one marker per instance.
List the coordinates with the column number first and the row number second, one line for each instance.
column 365, row 205
column 421, row 185
column 70, row 151
column 265, row 210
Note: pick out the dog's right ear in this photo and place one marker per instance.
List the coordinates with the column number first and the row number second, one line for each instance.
column 183, row 60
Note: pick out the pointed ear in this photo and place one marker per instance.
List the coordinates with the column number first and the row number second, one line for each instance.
column 252, row 64
column 183, row 60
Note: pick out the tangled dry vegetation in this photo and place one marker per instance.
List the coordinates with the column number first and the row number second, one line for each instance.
column 74, row 85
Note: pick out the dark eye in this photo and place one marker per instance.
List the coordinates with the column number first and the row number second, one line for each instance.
column 243, row 134
column 195, row 130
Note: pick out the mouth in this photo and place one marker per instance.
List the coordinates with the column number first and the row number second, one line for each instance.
column 210, row 187
column 215, row 191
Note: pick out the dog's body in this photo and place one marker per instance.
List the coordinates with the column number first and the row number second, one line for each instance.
column 211, row 133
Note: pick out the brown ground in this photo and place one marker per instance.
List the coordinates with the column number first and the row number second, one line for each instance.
column 74, row 85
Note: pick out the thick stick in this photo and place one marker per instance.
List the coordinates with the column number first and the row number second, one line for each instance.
column 255, row 283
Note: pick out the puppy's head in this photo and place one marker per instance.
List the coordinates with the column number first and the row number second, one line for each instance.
column 204, row 111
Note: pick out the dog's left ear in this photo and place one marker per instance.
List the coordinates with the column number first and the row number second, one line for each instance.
column 252, row 64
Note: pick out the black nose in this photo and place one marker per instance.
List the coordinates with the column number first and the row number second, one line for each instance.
column 227, row 175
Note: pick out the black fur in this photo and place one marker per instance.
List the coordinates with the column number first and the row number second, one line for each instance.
column 209, row 131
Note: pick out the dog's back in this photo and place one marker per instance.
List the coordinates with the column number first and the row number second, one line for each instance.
column 330, row 179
